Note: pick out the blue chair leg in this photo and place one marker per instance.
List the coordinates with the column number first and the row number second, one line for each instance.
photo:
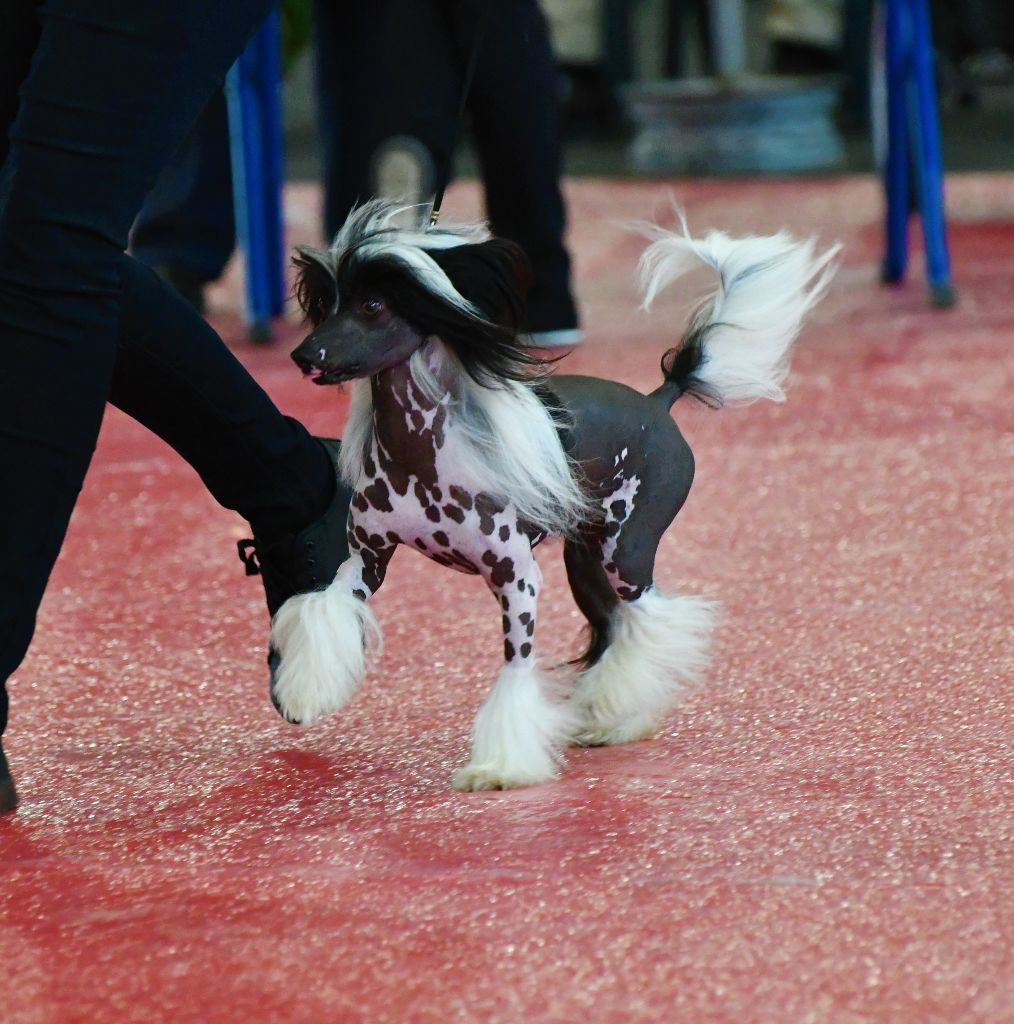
column 252, row 88
column 896, row 179
column 913, row 150
column 928, row 158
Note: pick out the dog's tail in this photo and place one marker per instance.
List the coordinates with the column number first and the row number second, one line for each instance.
column 736, row 348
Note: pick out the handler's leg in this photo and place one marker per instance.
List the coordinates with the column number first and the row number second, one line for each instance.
column 108, row 96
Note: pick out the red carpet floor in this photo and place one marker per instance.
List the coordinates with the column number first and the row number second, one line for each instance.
column 821, row 834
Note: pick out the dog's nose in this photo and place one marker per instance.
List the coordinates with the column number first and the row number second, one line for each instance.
column 303, row 359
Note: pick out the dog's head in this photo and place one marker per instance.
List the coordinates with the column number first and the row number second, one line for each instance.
column 381, row 291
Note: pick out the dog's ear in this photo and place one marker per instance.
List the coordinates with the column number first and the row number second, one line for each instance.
column 494, row 275
column 316, row 289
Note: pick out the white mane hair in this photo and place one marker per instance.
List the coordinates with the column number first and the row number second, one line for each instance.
column 504, row 440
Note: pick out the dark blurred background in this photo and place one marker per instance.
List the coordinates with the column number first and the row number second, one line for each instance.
column 603, row 45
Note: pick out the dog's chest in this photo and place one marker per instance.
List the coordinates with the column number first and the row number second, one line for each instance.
column 414, row 491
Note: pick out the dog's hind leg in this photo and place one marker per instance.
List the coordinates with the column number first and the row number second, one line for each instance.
column 520, row 731
column 653, row 647
column 593, row 594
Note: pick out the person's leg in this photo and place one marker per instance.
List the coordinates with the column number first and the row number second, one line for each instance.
column 516, row 126
column 174, row 375
column 352, row 44
column 387, row 86
column 186, row 229
column 110, row 93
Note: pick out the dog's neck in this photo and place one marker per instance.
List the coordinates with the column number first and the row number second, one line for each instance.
column 409, row 427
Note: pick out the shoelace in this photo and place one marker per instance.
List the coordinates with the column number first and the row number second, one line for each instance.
column 248, row 556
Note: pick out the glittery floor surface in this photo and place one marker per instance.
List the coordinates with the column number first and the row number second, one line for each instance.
column 821, row 834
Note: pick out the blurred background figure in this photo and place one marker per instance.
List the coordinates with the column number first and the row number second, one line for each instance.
column 805, row 34
column 187, row 229
column 390, row 80
column 388, row 85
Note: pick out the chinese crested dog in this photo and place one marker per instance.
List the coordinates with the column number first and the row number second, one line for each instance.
column 462, row 446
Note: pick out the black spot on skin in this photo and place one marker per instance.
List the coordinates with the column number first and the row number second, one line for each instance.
column 438, row 495
column 363, row 536
column 393, row 537
column 526, row 649
column 521, row 586
column 373, row 568
column 361, row 594
column 353, row 542
column 502, row 569
column 421, row 496
column 421, row 544
column 611, row 529
column 370, row 466
column 627, row 593
column 505, row 532
column 461, row 496
column 438, row 426
column 377, row 542
column 610, row 567
column 506, row 624
column 524, row 618
column 530, row 628
column 441, row 538
column 508, row 650
column 505, row 601
column 379, row 496
column 487, row 508
column 359, row 502
column 455, row 513
column 441, row 559
column 433, row 513
column 531, row 589
column 463, row 562
column 619, row 509
column 418, row 421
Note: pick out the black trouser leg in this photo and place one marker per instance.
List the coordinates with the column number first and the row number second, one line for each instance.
column 411, row 87
column 174, row 375
column 353, row 77
column 110, row 91
column 514, row 105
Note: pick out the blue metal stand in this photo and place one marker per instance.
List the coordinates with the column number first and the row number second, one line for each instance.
column 913, row 147
column 255, row 131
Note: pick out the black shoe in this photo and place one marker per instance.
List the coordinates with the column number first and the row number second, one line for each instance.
column 303, row 561
column 552, row 315
column 8, row 794
column 307, row 560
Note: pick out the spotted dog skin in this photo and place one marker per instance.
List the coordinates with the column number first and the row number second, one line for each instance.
column 639, row 469
column 412, row 493
column 634, row 463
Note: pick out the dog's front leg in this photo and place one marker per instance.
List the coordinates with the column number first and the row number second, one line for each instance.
column 520, row 732
column 324, row 639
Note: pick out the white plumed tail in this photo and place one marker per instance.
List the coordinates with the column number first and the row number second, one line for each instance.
column 747, row 326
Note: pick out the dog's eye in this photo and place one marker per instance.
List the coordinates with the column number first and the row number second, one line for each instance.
column 371, row 308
